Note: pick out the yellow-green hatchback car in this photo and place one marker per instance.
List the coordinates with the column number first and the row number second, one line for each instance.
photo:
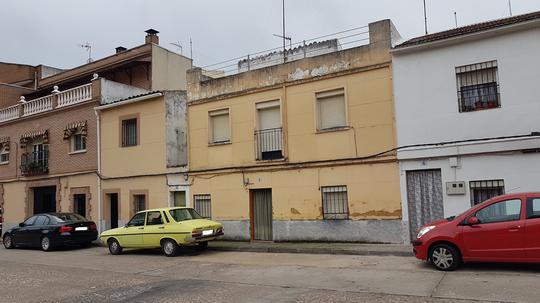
column 168, row 228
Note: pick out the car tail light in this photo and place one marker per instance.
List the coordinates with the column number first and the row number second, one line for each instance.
column 196, row 233
column 65, row 229
column 93, row 226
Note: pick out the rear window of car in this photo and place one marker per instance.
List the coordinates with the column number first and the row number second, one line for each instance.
column 183, row 214
column 61, row 218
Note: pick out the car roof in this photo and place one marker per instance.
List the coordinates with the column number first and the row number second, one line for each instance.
column 165, row 209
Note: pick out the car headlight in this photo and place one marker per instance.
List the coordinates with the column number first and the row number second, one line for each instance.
column 424, row 231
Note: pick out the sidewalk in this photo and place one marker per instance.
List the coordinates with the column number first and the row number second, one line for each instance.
column 314, row 248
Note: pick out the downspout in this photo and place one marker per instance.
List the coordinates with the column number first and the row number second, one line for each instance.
column 100, row 213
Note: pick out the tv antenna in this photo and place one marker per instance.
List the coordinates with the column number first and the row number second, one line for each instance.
column 283, row 36
column 88, row 48
column 510, row 7
column 455, row 18
column 177, row 44
column 425, row 17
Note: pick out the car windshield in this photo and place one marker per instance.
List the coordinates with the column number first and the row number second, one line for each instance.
column 61, row 218
column 183, row 214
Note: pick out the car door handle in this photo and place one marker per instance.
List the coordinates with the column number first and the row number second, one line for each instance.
column 162, row 227
column 140, row 228
column 514, row 228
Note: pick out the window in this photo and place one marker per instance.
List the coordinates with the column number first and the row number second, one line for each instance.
column 139, row 203
column 41, row 220
column 269, row 136
column 4, row 155
column 30, row 221
column 484, row 190
column 178, row 198
column 78, row 143
column 503, row 211
column 335, row 204
column 137, row 220
column 183, row 214
column 219, row 126
column 478, row 86
column 129, row 132
column 79, row 204
column 533, row 208
column 331, row 111
column 154, row 218
column 203, row 205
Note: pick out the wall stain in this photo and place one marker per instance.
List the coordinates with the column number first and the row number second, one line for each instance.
column 294, row 211
column 378, row 213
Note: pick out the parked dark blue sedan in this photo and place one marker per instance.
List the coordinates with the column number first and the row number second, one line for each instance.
column 51, row 230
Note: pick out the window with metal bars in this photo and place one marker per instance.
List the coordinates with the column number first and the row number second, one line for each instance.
column 335, row 204
column 478, row 86
column 129, row 132
column 203, row 205
column 139, row 203
column 78, row 142
column 484, row 190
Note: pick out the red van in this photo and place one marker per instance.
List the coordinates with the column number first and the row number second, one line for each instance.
column 503, row 229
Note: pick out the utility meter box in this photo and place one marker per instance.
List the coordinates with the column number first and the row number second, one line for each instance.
column 455, row 188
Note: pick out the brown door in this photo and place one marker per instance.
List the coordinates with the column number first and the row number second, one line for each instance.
column 261, row 215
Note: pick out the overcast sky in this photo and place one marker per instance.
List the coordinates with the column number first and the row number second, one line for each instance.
column 48, row 32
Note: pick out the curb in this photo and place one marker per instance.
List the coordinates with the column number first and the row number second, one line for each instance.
column 394, row 253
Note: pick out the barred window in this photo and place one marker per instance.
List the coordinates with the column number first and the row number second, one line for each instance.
column 4, row 155
column 139, row 203
column 129, row 132
column 335, row 203
column 478, row 86
column 202, row 205
column 78, row 142
column 484, row 190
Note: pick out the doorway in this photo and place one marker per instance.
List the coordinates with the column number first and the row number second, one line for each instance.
column 261, row 215
column 424, row 197
column 44, row 199
column 113, row 210
column 79, row 204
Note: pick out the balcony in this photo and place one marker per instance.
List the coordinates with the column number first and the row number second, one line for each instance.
column 35, row 163
column 57, row 99
column 269, row 144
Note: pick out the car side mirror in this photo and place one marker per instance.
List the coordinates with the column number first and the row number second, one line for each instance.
column 21, row 224
column 473, row 221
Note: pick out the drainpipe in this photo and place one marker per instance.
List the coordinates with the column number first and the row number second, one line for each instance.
column 100, row 214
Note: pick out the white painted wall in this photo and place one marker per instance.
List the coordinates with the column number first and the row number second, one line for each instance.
column 426, row 93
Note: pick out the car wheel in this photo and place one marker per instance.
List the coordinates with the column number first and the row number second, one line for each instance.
column 202, row 246
column 169, row 247
column 8, row 241
column 445, row 257
column 46, row 244
column 114, row 247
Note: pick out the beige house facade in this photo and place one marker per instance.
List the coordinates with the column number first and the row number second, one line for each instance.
column 300, row 151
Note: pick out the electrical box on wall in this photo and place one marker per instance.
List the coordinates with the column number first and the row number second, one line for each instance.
column 455, row 188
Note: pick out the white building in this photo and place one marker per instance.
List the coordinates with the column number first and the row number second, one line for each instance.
column 469, row 99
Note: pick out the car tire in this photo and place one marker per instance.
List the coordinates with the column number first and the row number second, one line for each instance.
column 8, row 241
column 46, row 243
column 114, row 247
column 201, row 246
column 445, row 257
column 169, row 248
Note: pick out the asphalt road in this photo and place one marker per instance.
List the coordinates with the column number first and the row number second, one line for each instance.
column 92, row 275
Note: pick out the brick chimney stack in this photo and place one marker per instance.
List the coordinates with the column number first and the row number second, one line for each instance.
column 151, row 36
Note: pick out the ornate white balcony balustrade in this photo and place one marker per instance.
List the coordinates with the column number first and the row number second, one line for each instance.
column 57, row 99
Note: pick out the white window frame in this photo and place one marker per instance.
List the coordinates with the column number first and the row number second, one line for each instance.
column 214, row 113
column 342, row 90
column 72, row 143
column 4, row 152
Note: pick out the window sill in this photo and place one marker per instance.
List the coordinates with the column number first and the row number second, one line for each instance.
column 272, row 160
column 128, row 146
column 479, row 110
column 331, row 130
column 4, row 163
column 219, row 143
column 77, row 152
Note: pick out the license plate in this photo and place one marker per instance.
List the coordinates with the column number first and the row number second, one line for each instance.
column 81, row 228
column 207, row 232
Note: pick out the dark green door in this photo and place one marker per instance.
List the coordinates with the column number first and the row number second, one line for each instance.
column 262, row 214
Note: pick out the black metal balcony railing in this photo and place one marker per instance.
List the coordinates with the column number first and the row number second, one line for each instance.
column 478, row 97
column 35, row 163
column 269, row 143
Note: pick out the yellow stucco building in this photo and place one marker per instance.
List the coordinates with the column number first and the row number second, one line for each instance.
column 142, row 155
column 301, row 150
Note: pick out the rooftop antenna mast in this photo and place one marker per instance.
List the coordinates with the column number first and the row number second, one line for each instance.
column 282, row 36
column 191, row 51
column 425, row 17
column 510, row 7
column 177, row 44
column 455, row 18
column 88, row 48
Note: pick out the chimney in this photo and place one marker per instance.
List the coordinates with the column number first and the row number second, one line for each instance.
column 151, row 36
column 120, row 49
